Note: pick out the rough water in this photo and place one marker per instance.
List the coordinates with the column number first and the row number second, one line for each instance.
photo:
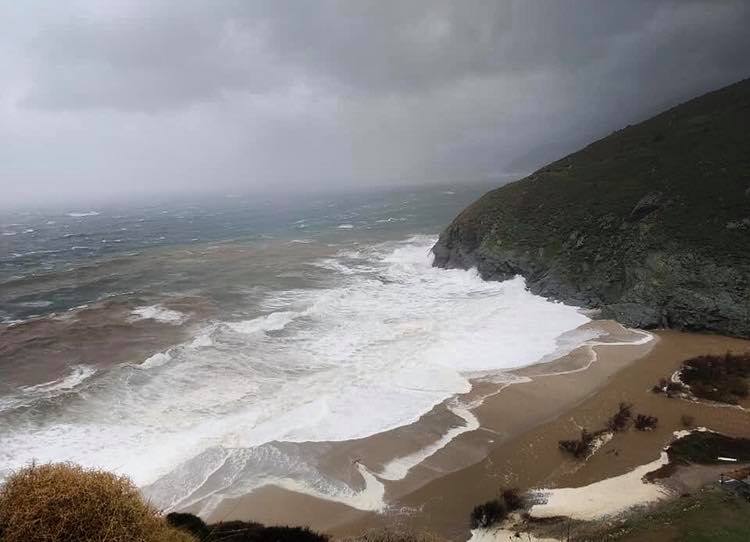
column 197, row 346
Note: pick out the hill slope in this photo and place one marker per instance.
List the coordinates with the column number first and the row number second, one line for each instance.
column 651, row 223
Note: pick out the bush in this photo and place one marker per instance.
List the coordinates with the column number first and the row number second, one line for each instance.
column 190, row 523
column 578, row 448
column 513, row 499
column 621, row 419
column 67, row 503
column 487, row 514
column 241, row 531
column 644, row 422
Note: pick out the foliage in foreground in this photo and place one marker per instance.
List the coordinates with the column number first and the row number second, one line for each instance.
column 241, row 531
column 67, row 503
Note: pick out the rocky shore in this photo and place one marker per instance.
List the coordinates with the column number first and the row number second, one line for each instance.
column 650, row 224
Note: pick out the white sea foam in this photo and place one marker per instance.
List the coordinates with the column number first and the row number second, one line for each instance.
column 273, row 322
column 157, row 360
column 391, row 340
column 398, row 468
column 77, row 375
column 28, row 394
column 346, row 226
column 158, row 313
column 81, row 214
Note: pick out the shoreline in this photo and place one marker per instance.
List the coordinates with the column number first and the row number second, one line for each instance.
column 544, row 389
column 518, row 448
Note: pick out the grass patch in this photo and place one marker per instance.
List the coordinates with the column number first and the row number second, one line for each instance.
column 709, row 515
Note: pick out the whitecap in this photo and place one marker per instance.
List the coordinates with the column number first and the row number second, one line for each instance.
column 392, row 339
column 272, row 322
column 81, row 214
column 158, row 313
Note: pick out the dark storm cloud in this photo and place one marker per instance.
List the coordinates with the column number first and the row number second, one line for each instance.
column 137, row 96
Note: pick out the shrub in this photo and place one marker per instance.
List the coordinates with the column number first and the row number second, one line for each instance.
column 241, row 531
column 67, row 503
column 487, row 514
column 513, row 499
column 621, row 419
column 190, row 523
column 644, row 422
column 578, row 448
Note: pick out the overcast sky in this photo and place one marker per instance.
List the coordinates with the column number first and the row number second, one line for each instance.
column 107, row 99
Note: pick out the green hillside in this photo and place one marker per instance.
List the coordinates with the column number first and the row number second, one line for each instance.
column 651, row 223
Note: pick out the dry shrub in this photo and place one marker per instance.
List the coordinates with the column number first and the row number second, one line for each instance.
column 645, row 422
column 579, row 448
column 621, row 419
column 67, row 503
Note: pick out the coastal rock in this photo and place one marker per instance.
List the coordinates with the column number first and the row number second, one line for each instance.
column 647, row 224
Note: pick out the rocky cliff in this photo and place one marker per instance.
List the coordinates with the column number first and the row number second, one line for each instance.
column 651, row 224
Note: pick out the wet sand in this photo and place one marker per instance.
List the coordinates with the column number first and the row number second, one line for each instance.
column 516, row 445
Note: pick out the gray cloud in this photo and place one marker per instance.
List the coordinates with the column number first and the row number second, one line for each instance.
column 138, row 96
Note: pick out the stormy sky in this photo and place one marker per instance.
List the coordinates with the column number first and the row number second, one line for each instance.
column 124, row 98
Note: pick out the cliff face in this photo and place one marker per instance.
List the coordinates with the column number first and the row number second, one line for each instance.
column 650, row 224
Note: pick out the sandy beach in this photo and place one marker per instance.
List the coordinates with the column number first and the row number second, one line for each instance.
column 516, row 443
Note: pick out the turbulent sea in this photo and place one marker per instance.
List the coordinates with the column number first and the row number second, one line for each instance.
column 194, row 346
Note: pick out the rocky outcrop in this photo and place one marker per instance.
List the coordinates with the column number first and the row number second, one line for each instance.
column 650, row 224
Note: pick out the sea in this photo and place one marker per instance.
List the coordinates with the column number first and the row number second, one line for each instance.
column 194, row 345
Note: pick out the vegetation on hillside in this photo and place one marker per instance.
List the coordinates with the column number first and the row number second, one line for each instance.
column 651, row 224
